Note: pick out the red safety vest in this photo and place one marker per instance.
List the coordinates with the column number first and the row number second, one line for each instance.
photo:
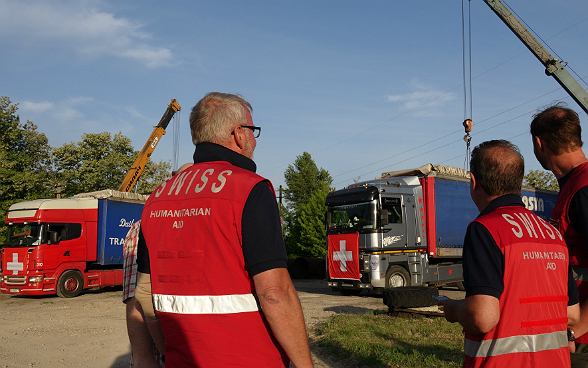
column 532, row 328
column 203, row 295
column 561, row 220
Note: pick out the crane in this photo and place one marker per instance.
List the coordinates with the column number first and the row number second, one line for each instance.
column 138, row 166
column 553, row 66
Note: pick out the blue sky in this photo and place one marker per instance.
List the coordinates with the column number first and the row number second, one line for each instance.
column 363, row 86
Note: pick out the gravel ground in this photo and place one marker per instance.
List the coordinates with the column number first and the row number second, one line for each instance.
column 90, row 330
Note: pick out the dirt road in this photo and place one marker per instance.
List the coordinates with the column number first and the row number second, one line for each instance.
column 90, row 330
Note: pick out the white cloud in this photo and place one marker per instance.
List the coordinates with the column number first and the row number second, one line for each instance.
column 423, row 99
column 60, row 114
column 79, row 100
column 35, row 106
column 67, row 114
column 132, row 111
column 67, row 120
column 80, row 26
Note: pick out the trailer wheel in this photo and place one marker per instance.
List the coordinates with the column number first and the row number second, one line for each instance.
column 410, row 297
column 397, row 276
column 460, row 286
column 70, row 284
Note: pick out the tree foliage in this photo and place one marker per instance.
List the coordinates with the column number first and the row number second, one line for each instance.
column 541, row 179
column 24, row 160
column 310, row 221
column 97, row 162
column 153, row 176
column 307, row 188
column 31, row 169
column 101, row 161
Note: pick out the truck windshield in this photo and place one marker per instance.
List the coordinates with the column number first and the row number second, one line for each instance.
column 350, row 218
column 23, row 235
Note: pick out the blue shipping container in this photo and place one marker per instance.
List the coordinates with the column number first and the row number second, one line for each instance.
column 114, row 221
column 455, row 209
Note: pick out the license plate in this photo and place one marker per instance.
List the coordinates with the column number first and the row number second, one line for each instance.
column 14, row 290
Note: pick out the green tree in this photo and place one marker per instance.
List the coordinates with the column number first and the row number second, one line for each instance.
column 310, row 223
column 153, row 176
column 307, row 188
column 24, row 160
column 541, row 179
column 101, row 161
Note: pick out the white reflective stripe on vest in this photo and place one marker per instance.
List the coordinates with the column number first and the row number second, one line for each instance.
column 516, row 344
column 205, row 304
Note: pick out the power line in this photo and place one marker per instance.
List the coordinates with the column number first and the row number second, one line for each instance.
column 449, row 134
column 431, row 100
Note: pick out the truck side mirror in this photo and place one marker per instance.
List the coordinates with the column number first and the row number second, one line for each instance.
column 53, row 237
column 384, row 217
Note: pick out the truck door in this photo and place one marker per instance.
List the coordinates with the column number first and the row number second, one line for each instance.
column 394, row 233
column 58, row 245
column 409, row 208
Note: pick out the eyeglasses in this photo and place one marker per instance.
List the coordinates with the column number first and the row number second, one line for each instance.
column 256, row 130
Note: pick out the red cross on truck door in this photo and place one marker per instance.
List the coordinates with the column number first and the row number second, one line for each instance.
column 344, row 256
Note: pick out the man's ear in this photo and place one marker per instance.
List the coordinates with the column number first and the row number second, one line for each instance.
column 239, row 138
column 474, row 183
column 539, row 143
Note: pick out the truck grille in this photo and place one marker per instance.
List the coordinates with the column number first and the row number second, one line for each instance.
column 15, row 280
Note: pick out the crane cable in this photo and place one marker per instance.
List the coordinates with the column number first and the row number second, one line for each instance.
column 467, row 80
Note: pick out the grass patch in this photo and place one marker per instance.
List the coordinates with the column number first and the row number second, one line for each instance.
column 379, row 340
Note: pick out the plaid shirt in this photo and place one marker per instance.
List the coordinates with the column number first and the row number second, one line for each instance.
column 130, row 275
column 130, row 261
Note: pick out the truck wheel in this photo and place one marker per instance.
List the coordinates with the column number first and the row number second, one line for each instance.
column 410, row 297
column 70, row 284
column 397, row 276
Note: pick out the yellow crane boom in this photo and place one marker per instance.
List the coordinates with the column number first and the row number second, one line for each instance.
column 139, row 165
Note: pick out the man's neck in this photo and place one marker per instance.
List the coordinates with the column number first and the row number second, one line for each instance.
column 562, row 164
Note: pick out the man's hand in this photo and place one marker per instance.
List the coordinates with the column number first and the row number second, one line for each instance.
column 478, row 314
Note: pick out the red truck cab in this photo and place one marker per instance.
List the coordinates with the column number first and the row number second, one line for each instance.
column 61, row 246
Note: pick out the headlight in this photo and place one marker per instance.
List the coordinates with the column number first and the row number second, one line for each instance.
column 36, row 279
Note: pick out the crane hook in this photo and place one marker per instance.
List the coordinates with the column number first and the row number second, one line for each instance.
column 467, row 124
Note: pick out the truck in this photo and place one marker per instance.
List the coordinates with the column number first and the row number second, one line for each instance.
column 405, row 229
column 62, row 246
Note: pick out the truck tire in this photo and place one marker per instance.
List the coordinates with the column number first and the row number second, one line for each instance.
column 397, row 276
column 410, row 297
column 70, row 284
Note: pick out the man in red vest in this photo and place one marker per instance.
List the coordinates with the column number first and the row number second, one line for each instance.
column 557, row 142
column 144, row 351
column 212, row 244
column 520, row 296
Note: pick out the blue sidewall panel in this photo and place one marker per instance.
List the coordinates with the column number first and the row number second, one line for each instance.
column 114, row 221
column 540, row 203
column 454, row 211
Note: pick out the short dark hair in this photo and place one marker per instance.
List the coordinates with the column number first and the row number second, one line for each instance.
column 498, row 167
column 559, row 127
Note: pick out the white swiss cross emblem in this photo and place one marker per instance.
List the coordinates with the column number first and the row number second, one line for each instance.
column 343, row 256
column 15, row 265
